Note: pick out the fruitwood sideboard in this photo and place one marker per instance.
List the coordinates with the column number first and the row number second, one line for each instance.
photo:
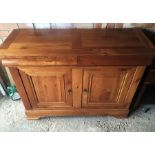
column 77, row 71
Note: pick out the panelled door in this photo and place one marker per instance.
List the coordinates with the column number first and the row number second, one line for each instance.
column 48, row 86
column 106, row 86
column 64, row 87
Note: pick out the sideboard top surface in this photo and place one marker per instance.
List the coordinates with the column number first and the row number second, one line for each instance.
column 44, row 42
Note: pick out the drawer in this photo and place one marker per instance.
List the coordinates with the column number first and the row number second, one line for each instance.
column 112, row 60
column 42, row 61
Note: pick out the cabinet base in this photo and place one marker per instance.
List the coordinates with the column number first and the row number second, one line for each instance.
column 36, row 114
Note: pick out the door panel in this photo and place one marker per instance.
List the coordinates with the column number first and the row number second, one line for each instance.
column 43, row 89
column 47, row 86
column 106, row 86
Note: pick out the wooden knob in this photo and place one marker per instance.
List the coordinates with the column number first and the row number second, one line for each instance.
column 69, row 91
column 85, row 90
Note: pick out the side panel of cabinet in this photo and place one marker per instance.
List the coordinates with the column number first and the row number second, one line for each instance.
column 48, row 87
column 107, row 86
column 20, row 87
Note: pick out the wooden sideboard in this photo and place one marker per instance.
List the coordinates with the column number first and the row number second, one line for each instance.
column 77, row 71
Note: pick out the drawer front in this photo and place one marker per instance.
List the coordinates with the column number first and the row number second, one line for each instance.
column 113, row 60
column 42, row 61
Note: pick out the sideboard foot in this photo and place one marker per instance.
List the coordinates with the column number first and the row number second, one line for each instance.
column 31, row 116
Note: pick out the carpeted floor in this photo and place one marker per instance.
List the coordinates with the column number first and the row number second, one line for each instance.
column 12, row 118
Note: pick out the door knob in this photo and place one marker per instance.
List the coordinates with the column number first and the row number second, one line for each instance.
column 85, row 90
column 69, row 91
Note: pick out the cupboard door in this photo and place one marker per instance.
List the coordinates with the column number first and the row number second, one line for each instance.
column 47, row 86
column 106, row 86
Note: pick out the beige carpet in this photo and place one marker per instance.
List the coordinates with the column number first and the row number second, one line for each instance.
column 12, row 118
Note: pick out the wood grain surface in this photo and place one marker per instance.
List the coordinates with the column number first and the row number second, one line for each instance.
column 65, row 72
